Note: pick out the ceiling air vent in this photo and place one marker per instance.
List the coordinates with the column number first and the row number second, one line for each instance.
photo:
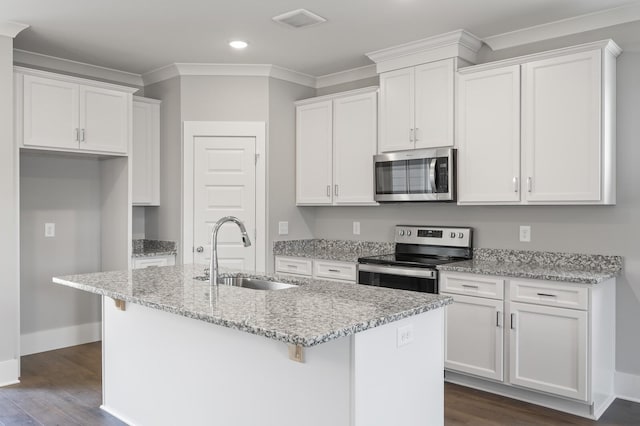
column 299, row 18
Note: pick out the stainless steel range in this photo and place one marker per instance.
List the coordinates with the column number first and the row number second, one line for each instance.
column 419, row 249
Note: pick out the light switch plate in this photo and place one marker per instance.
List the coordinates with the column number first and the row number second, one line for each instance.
column 356, row 228
column 525, row 234
column 283, row 228
column 49, row 230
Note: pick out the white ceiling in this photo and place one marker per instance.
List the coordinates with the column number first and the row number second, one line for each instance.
column 142, row 35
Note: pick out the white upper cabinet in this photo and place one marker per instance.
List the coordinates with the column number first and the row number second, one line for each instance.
column 489, row 136
column 417, row 106
column 354, row 145
column 554, row 143
column 336, row 139
column 62, row 113
column 145, row 152
column 561, row 128
column 314, row 148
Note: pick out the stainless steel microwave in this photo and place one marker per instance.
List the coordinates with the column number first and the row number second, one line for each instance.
column 415, row 175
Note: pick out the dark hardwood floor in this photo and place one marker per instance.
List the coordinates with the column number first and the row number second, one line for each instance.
column 63, row 387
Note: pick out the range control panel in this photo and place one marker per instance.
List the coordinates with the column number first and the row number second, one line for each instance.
column 434, row 236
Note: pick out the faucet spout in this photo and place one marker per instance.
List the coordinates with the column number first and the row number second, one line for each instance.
column 213, row 266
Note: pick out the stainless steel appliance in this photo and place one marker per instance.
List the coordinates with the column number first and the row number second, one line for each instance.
column 419, row 249
column 415, row 175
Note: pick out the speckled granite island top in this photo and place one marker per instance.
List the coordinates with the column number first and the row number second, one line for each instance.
column 549, row 266
column 314, row 312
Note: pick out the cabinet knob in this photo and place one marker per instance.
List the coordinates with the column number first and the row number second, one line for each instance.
column 200, row 249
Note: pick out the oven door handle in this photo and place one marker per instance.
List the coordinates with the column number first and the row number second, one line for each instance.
column 392, row 270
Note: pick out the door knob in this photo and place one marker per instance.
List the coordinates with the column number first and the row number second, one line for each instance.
column 200, row 249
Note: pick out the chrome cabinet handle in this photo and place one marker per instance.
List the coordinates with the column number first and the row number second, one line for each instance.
column 334, row 270
column 411, row 135
column 77, row 134
column 515, row 184
column 82, row 138
column 200, row 249
column 328, row 190
column 336, row 190
column 292, row 266
column 547, row 294
column 513, row 321
column 415, row 134
column 469, row 286
column 529, row 183
column 498, row 319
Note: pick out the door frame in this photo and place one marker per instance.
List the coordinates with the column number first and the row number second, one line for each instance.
column 255, row 129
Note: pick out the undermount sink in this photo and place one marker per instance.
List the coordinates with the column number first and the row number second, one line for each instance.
column 252, row 283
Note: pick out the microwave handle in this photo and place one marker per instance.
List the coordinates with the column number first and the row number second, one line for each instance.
column 432, row 174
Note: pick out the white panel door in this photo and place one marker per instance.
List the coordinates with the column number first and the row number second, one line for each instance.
column 314, row 139
column 489, row 136
column 224, row 185
column 562, row 128
column 434, row 94
column 396, row 110
column 548, row 349
column 474, row 341
column 104, row 120
column 50, row 113
column 354, row 145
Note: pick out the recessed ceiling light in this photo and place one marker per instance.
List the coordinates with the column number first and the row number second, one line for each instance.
column 238, row 44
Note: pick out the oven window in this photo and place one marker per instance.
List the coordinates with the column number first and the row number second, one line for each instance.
column 391, row 177
column 423, row 285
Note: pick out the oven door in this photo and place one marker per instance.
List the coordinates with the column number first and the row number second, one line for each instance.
column 414, row 279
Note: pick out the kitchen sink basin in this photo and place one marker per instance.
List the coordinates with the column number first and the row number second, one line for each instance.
column 252, row 283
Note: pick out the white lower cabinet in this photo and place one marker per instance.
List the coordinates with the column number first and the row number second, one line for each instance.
column 150, row 261
column 474, row 322
column 545, row 342
column 331, row 270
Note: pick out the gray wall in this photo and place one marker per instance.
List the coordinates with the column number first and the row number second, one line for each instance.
column 9, row 235
column 163, row 223
column 65, row 191
column 282, row 160
column 138, row 223
column 584, row 229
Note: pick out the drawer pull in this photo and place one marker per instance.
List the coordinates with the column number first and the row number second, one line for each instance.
column 547, row 295
column 334, row 270
column 469, row 286
column 292, row 266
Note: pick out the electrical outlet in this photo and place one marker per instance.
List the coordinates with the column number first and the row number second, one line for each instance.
column 405, row 335
column 525, row 234
column 49, row 230
column 356, row 228
column 283, row 228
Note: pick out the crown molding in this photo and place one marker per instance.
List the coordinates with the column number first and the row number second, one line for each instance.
column 346, row 76
column 565, row 27
column 11, row 29
column 52, row 63
column 239, row 70
column 459, row 43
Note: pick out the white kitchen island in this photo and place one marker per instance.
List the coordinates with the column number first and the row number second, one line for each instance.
column 180, row 353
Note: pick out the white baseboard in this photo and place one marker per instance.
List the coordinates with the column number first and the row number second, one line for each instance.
column 48, row 340
column 116, row 415
column 9, row 372
column 627, row 386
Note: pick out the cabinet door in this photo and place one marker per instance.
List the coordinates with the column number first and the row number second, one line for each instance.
column 434, row 93
column 50, row 113
column 489, row 136
column 561, row 128
column 396, row 110
column 104, row 120
column 548, row 349
column 145, row 154
column 354, row 145
column 314, row 129
column 474, row 336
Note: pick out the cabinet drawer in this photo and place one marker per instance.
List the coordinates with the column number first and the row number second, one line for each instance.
column 294, row 265
column 334, row 270
column 141, row 263
column 549, row 294
column 472, row 285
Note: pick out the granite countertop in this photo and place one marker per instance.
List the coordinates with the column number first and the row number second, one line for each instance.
column 549, row 266
column 338, row 250
column 315, row 312
column 149, row 248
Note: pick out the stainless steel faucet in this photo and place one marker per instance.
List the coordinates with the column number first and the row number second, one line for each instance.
column 213, row 267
